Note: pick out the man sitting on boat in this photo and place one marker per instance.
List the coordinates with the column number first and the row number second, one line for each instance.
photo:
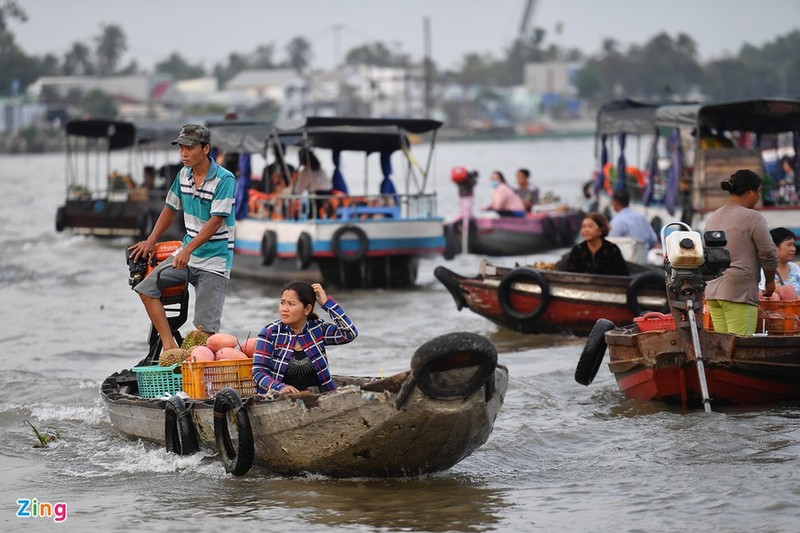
column 505, row 202
column 630, row 223
column 528, row 192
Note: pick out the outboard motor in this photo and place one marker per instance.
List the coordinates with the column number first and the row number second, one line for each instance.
column 689, row 266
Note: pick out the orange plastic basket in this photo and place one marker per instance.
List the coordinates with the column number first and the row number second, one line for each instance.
column 779, row 317
column 203, row 380
column 655, row 321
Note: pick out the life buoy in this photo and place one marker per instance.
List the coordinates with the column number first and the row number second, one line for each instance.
column 593, row 352
column 237, row 453
column 450, row 352
column 347, row 256
column 523, row 275
column 60, row 219
column 180, row 433
column 269, row 247
column 651, row 278
column 305, row 251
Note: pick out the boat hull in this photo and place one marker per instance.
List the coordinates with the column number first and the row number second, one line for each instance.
column 351, row 432
column 739, row 370
column 576, row 301
column 507, row 236
column 388, row 257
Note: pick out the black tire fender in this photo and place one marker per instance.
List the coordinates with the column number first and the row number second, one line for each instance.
column 458, row 350
column 237, row 452
column 593, row 352
column 305, row 251
column 523, row 274
column 361, row 250
column 60, row 219
column 269, row 247
column 180, row 433
column 639, row 281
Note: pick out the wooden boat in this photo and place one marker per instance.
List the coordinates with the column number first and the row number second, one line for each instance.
column 678, row 360
column 103, row 199
column 667, row 187
column 540, row 231
column 423, row 420
column 542, row 300
column 367, row 240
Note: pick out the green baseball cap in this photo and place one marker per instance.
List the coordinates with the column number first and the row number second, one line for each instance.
column 192, row 134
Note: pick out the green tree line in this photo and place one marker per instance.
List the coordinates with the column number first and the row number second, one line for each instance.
column 665, row 66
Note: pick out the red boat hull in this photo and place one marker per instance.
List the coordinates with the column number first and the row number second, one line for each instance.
column 651, row 366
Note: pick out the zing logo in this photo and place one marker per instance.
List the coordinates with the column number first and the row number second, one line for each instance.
column 36, row 509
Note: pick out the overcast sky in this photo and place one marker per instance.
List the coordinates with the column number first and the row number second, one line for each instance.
column 206, row 32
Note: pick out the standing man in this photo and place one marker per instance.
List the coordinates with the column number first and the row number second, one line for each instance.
column 203, row 190
column 630, row 223
column 528, row 192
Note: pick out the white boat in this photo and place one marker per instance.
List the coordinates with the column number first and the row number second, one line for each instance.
column 374, row 239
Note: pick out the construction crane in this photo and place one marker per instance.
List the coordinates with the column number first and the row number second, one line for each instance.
column 527, row 18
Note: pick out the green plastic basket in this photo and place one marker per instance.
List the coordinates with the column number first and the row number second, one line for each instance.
column 157, row 381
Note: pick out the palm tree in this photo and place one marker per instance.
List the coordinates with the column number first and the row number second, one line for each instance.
column 111, row 44
column 299, row 52
column 78, row 60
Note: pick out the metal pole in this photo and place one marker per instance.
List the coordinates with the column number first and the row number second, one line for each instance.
column 701, row 372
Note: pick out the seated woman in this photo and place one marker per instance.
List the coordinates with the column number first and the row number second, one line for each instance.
column 505, row 201
column 595, row 255
column 788, row 272
column 290, row 353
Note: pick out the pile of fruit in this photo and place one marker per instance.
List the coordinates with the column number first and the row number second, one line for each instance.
column 199, row 347
column 781, row 293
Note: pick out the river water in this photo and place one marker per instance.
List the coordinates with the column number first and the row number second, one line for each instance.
column 562, row 457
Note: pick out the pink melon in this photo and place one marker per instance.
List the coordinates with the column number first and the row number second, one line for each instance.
column 201, row 354
column 221, row 340
column 786, row 292
column 226, row 353
column 249, row 347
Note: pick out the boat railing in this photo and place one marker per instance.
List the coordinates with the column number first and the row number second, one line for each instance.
column 340, row 207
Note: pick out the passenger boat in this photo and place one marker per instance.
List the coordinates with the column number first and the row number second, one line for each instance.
column 373, row 238
column 677, row 359
column 542, row 230
column 674, row 184
column 426, row 419
column 540, row 299
column 104, row 193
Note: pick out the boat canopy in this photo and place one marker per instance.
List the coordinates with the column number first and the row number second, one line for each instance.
column 627, row 116
column 120, row 134
column 356, row 134
column 756, row 116
column 240, row 136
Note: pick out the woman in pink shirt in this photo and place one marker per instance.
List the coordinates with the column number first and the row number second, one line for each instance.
column 505, row 201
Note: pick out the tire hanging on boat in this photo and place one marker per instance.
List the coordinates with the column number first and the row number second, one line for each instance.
column 180, row 433
column 60, row 219
column 361, row 249
column 305, row 251
column 523, row 275
column 652, row 278
column 593, row 352
column 237, row 452
column 269, row 247
column 453, row 351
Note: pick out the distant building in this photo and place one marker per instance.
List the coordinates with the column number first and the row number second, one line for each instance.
column 554, row 82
